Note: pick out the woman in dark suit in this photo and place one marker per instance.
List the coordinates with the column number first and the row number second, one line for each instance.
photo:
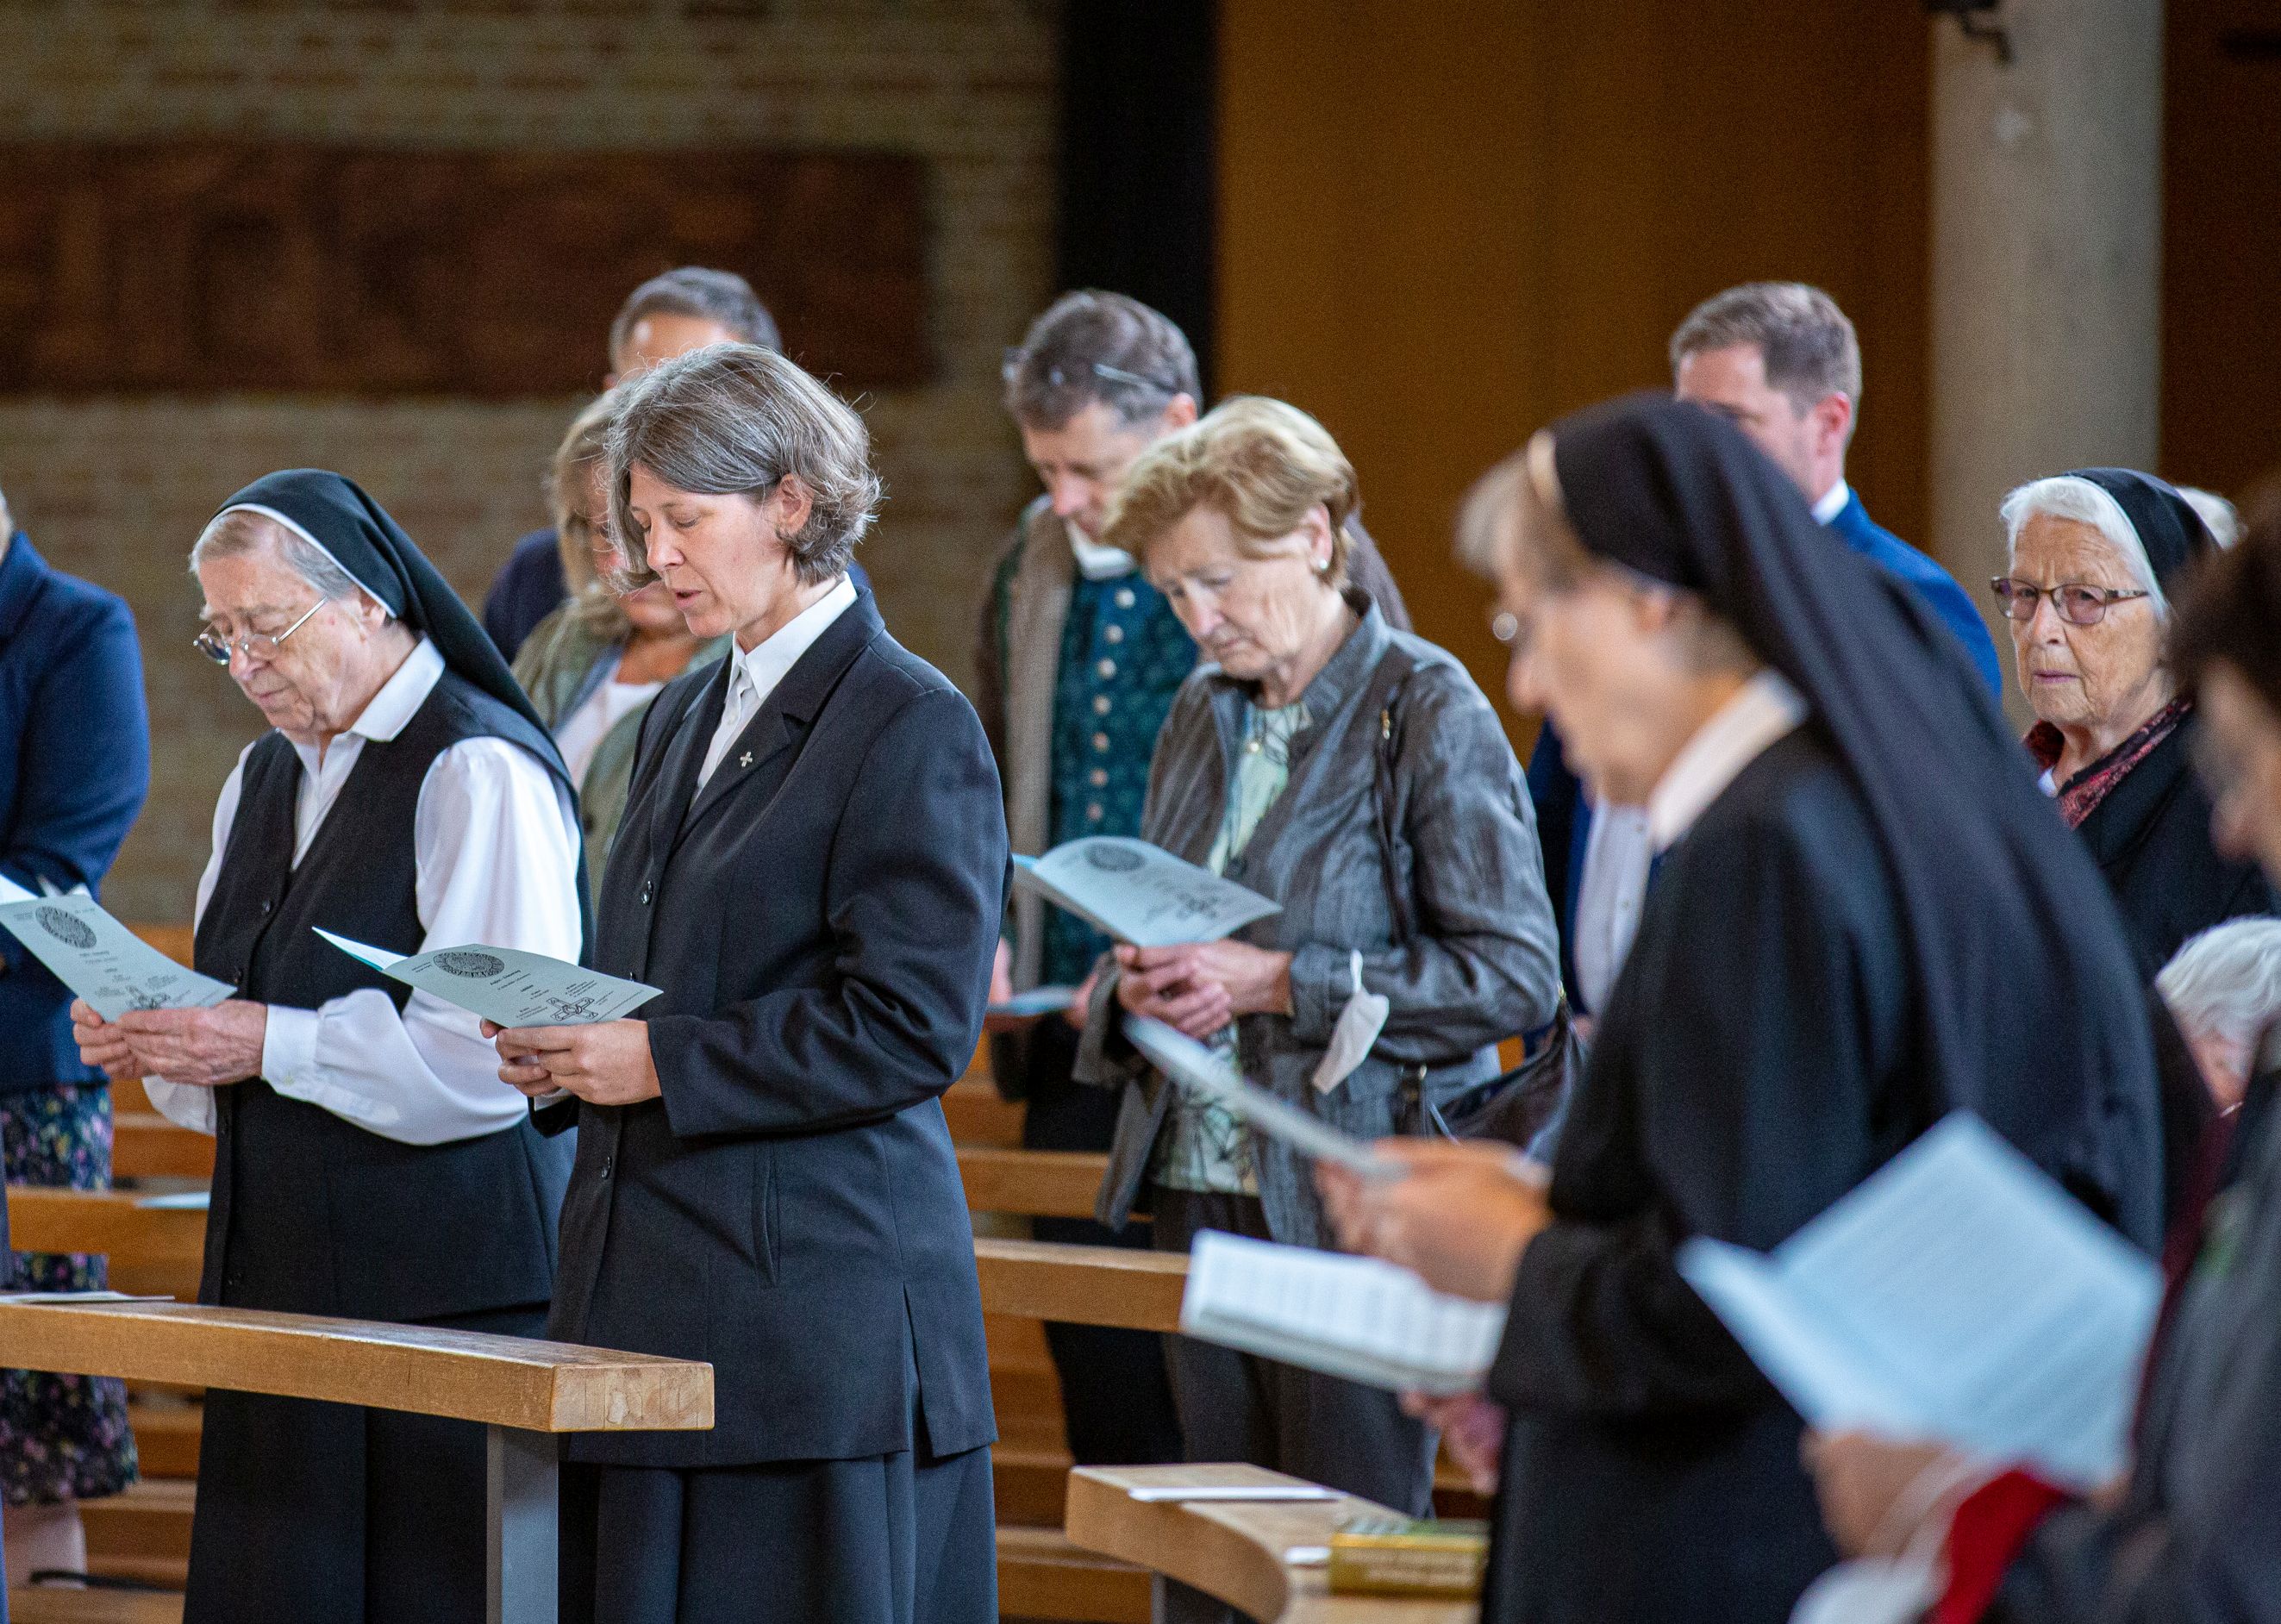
column 812, row 862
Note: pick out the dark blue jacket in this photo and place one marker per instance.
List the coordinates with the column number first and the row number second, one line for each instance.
column 74, row 768
column 1564, row 816
column 1940, row 590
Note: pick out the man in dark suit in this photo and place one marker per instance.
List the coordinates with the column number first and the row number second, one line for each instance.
column 74, row 768
column 1781, row 361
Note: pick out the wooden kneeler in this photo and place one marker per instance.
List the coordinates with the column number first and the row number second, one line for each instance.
column 523, row 1392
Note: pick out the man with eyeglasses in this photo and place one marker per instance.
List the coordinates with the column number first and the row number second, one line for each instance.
column 74, row 768
column 1077, row 661
column 1781, row 361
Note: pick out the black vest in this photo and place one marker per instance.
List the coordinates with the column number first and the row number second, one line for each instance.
column 311, row 1213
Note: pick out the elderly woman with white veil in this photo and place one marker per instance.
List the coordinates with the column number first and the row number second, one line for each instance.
column 368, row 1164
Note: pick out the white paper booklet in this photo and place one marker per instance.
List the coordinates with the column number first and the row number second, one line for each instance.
column 1141, row 894
column 507, row 985
column 100, row 959
column 1191, row 1064
column 1357, row 1318
column 1956, row 1295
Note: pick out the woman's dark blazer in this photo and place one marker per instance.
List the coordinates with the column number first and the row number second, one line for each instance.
column 822, row 920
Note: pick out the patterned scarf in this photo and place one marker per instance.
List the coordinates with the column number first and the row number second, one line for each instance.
column 2079, row 796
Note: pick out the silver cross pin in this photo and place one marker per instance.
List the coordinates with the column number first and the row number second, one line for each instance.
column 744, row 760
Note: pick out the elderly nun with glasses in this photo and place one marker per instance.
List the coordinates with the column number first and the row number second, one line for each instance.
column 368, row 1162
column 2095, row 556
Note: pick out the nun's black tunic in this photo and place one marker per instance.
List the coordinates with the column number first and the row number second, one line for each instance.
column 319, row 1512
column 2150, row 837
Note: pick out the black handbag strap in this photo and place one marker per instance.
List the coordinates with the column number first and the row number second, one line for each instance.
column 1386, row 809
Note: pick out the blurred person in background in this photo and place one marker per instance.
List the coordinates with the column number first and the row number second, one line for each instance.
column 592, row 667
column 2223, row 988
column 688, row 308
column 74, row 768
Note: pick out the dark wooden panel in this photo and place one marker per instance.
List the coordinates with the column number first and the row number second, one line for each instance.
column 199, row 267
column 2221, row 240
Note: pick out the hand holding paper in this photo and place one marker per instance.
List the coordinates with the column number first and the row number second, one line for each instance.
column 1141, row 894
column 1460, row 1216
column 507, row 985
column 106, row 965
column 1191, row 1065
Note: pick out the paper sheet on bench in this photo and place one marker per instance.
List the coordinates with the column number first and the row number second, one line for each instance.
column 100, row 959
column 507, row 985
column 1353, row 1317
column 1191, row 1064
column 1141, row 894
column 1957, row 1295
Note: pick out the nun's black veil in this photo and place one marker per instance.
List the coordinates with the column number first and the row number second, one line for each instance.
column 335, row 512
column 2169, row 528
column 2029, row 1009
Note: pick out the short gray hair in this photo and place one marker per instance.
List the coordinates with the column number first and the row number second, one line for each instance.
column 2226, row 983
column 732, row 421
column 2070, row 496
column 1091, row 346
column 239, row 532
column 709, row 294
column 1809, row 345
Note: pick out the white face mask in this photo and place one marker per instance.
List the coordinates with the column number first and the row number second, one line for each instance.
column 1872, row 1590
column 1359, row 1023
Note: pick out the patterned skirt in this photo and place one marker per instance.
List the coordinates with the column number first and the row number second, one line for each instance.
column 61, row 1437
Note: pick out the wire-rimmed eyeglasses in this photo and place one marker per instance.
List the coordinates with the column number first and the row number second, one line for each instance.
column 2078, row 604
column 255, row 645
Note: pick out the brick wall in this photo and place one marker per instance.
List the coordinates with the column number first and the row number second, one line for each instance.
column 116, row 489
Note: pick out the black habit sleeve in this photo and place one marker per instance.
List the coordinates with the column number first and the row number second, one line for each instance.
column 1740, row 1085
column 914, row 891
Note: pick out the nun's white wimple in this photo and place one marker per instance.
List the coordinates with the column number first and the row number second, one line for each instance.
column 274, row 517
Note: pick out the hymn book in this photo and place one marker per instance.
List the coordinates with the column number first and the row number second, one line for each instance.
column 505, row 985
column 1140, row 894
column 1956, row 1295
column 100, row 959
column 1356, row 1318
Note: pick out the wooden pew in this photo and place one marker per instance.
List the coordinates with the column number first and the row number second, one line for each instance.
column 522, row 1392
column 145, row 1532
column 1237, row 1551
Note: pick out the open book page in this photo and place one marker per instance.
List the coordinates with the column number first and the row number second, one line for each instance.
column 1956, row 1295
column 103, row 961
column 507, row 985
column 1141, row 894
column 1356, row 1317
column 1192, row 1066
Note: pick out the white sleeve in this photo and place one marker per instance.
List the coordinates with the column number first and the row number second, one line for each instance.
column 497, row 841
column 183, row 1106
